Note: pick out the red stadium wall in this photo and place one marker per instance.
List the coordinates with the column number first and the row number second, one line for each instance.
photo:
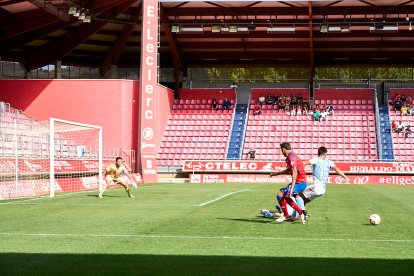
column 112, row 104
column 207, row 94
column 256, row 92
column 343, row 94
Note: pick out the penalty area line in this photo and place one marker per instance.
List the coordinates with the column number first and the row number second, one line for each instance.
column 138, row 236
column 221, row 197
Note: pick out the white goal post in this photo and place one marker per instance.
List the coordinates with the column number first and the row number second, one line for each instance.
column 75, row 156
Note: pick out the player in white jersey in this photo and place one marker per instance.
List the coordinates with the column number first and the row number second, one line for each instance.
column 321, row 166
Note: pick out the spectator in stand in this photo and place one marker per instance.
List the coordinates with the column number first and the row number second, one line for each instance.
column 330, row 110
column 288, row 102
column 392, row 101
column 262, row 99
column 214, row 105
column 293, row 111
column 226, row 104
column 408, row 132
column 305, row 109
column 233, row 86
column 2, row 108
column 324, row 115
column 257, row 110
column 300, row 99
column 316, row 115
column 403, row 99
column 411, row 109
column 396, row 99
column 269, row 99
column 404, row 110
column 398, row 105
column 275, row 99
column 311, row 105
column 294, row 100
column 251, row 154
column 400, row 127
column 299, row 110
column 394, row 126
column 281, row 103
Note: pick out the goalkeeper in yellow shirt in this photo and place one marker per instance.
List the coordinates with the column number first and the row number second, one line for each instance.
column 113, row 173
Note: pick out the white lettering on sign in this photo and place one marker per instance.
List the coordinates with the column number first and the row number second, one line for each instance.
column 149, row 61
column 150, row 11
column 148, row 86
column 148, row 133
column 149, row 89
column 148, row 114
column 150, row 48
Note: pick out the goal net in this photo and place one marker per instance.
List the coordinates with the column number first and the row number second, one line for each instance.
column 75, row 156
column 45, row 158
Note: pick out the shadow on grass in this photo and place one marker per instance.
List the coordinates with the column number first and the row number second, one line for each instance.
column 254, row 220
column 96, row 195
column 106, row 264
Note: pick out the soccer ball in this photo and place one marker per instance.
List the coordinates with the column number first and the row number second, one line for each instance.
column 374, row 219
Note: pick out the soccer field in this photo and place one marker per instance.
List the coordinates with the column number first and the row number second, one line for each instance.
column 208, row 229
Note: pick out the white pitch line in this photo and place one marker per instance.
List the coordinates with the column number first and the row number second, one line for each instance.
column 223, row 196
column 19, row 201
column 200, row 237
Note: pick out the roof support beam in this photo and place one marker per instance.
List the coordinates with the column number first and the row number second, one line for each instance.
column 405, row 3
column 172, row 42
column 51, row 9
column 22, row 39
column 9, row 15
column 58, row 49
column 20, row 27
column 332, row 4
column 368, row 3
column 11, row 2
column 112, row 56
column 253, row 4
column 180, row 5
column 214, row 4
column 311, row 51
column 176, row 52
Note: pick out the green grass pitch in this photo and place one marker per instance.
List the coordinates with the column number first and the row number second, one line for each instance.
column 165, row 231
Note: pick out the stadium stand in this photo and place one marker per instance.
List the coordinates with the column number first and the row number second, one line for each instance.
column 256, row 92
column 28, row 132
column 195, row 132
column 349, row 133
column 403, row 147
column 24, row 136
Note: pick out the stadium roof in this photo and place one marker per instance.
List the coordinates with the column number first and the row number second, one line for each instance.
column 39, row 32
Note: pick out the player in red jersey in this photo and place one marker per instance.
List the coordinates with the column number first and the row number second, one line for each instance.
column 296, row 168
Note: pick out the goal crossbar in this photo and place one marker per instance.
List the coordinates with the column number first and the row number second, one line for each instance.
column 52, row 128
